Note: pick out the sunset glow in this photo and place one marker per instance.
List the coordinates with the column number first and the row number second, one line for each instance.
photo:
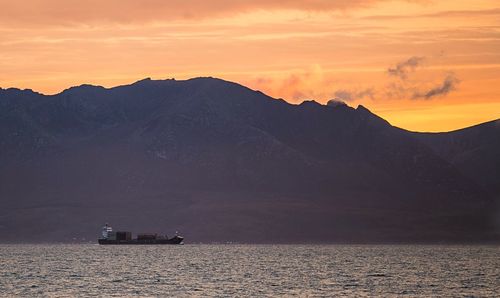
column 423, row 65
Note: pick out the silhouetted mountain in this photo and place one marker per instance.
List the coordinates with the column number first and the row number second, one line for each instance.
column 473, row 150
column 221, row 162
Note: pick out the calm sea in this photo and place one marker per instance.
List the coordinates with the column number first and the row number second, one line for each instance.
column 249, row 270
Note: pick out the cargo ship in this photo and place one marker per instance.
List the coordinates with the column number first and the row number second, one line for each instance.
column 108, row 236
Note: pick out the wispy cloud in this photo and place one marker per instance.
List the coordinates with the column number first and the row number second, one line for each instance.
column 297, row 86
column 130, row 11
column 494, row 12
column 350, row 95
column 402, row 69
column 405, row 83
column 448, row 84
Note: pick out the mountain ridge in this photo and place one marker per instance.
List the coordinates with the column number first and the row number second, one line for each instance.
column 160, row 81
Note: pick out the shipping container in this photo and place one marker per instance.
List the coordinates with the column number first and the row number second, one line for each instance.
column 146, row 236
column 122, row 235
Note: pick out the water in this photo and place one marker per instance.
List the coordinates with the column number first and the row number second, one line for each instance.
column 249, row 270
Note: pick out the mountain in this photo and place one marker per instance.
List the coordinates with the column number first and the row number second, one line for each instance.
column 220, row 162
column 473, row 150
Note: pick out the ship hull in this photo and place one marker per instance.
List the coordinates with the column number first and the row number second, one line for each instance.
column 173, row 241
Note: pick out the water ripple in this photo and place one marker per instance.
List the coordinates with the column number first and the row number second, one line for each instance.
column 249, row 270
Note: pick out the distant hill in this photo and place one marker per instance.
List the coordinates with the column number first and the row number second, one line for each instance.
column 220, row 162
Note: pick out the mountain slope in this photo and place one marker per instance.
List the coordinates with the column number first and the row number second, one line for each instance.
column 221, row 162
column 473, row 150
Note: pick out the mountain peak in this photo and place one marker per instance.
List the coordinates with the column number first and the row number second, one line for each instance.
column 145, row 80
column 373, row 118
column 310, row 102
column 18, row 91
column 362, row 108
column 84, row 88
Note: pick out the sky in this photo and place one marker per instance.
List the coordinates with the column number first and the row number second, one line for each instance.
column 423, row 65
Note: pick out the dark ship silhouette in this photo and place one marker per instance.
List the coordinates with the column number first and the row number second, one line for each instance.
column 108, row 236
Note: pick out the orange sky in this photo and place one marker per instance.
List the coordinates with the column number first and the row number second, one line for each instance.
column 424, row 65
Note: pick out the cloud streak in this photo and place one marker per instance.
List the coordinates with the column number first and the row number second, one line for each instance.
column 449, row 13
column 449, row 84
column 403, row 68
column 130, row 11
column 296, row 86
column 313, row 84
column 350, row 95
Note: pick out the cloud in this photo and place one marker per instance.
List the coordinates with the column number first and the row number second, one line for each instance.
column 349, row 95
column 335, row 103
column 315, row 83
column 494, row 12
column 297, row 86
column 60, row 12
column 449, row 84
column 404, row 88
column 403, row 68
column 306, row 84
column 418, row 90
column 396, row 90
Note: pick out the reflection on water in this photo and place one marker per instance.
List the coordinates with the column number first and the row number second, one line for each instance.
column 249, row 270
